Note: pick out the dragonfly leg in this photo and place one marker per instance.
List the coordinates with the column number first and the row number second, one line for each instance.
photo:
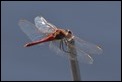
column 60, row 44
column 63, row 46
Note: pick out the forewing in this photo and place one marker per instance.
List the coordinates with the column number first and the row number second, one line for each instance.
column 44, row 26
column 87, row 47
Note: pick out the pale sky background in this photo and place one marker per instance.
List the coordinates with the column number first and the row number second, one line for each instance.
column 97, row 22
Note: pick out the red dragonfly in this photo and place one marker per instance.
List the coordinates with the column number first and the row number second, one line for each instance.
column 58, row 39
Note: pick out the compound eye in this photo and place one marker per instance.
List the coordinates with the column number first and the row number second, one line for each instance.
column 69, row 32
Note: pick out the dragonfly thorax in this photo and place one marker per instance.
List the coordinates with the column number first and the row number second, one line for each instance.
column 59, row 34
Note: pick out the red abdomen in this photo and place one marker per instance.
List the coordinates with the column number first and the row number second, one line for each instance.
column 46, row 39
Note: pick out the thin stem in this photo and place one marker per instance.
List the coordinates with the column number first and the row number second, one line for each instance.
column 74, row 63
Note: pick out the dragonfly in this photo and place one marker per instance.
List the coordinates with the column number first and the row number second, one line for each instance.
column 59, row 39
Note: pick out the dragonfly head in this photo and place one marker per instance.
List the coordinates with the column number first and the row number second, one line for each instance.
column 69, row 35
column 68, row 31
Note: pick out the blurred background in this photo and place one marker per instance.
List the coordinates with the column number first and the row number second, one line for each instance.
column 97, row 22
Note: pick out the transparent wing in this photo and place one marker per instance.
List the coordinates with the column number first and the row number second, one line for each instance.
column 78, row 54
column 44, row 26
column 55, row 46
column 30, row 30
column 87, row 47
column 81, row 56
